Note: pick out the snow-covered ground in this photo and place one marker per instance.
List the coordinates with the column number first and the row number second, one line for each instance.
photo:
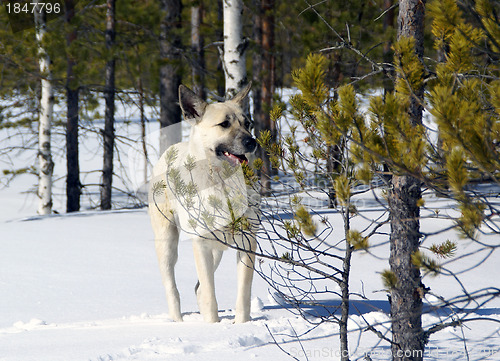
column 86, row 286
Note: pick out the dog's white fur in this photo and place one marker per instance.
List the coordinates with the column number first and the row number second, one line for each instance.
column 219, row 132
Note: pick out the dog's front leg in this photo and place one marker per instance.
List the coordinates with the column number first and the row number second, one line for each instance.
column 167, row 256
column 166, row 244
column 245, row 269
column 205, row 268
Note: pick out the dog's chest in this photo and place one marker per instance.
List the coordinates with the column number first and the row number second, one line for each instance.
column 206, row 196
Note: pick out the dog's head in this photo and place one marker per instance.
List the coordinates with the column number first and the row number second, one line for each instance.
column 222, row 130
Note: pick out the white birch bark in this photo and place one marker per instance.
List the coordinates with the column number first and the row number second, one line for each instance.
column 234, row 47
column 45, row 119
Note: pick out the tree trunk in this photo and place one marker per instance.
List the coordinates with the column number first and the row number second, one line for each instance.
column 170, row 78
column 388, row 56
column 334, row 152
column 73, row 186
column 387, row 52
column 219, row 35
column 143, row 132
column 257, row 83
column 257, row 64
column 46, row 106
column 344, row 287
column 267, row 87
column 333, row 168
column 268, row 64
column 109, row 116
column 197, row 48
column 234, row 47
column 406, row 297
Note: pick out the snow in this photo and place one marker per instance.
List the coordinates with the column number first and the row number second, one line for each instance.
column 86, row 286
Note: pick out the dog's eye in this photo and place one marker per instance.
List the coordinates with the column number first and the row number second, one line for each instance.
column 225, row 124
column 247, row 124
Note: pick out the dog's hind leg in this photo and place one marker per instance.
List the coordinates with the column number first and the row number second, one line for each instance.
column 245, row 269
column 205, row 267
column 166, row 244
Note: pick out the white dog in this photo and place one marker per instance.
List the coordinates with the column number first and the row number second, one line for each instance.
column 198, row 187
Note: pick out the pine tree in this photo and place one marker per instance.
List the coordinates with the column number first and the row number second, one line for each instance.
column 464, row 102
column 326, row 121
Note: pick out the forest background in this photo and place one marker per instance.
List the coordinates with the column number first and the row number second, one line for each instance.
column 137, row 53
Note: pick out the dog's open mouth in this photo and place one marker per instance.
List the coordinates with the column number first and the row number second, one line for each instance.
column 233, row 159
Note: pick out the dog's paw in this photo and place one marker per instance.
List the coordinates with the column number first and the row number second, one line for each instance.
column 211, row 318
column 241, row 318
column 177, row 318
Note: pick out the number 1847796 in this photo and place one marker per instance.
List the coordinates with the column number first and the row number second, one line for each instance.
column 30, row 8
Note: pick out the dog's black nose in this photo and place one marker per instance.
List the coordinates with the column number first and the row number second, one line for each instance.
column 250, row 144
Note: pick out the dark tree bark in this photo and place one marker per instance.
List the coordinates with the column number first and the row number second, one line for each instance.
column 406, row 296
column 197, row 49
column 219, row 35
column 334, row 152
column 406, row 301
column 267, row 86
column 109, row 116
column 170, row 71
column 143, row 131
column 333, row 167
column 268, row 61
column 73, row 185
column 257, row 77
column 388, row 55
column 257, row 63
column 387, row 52
column 344, row 287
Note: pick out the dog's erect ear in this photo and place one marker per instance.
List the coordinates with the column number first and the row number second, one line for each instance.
column 191, row 104
column 238, row 98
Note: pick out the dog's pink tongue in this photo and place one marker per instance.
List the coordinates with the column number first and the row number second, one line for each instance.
column 234, row 160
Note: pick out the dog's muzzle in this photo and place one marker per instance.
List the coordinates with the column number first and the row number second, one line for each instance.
column 249, row 145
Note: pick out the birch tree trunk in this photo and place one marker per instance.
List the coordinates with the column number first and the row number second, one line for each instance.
column 406, row 296
column 46, row 106
column 170, row 79
column 234, row 47
column 73, row 186
column 109, row 115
